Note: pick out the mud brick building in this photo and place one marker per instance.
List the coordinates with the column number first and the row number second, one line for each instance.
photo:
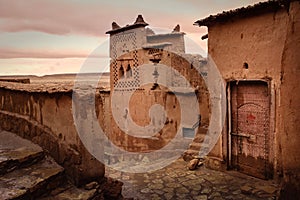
column 256, row 49
column 139, row 58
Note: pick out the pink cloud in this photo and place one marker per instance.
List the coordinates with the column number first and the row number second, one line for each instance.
column 42, row 53
column 54, row 17
column 88, row 18
column 94, row 18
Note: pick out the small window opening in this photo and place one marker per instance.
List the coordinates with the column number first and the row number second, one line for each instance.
column 121, row 72
column 128, row 72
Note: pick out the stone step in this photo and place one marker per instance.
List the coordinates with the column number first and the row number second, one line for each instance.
column 32, row 181
column 203, row 130
column 189, row 154
column 197, row 146
column 199, row 138
column 16, row 152
column 70, row 192
column 192, row 152
column 27, row 173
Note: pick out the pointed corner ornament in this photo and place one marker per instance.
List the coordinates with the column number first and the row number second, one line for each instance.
column 176, row 29
column 139, row 20
column 115, row 26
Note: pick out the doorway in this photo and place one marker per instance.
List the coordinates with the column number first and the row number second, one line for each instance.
column 249, row 133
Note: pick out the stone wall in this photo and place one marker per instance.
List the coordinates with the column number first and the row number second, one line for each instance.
column 44, row 116
column 16, row 80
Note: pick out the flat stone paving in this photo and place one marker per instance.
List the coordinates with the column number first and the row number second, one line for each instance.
column 177, row 182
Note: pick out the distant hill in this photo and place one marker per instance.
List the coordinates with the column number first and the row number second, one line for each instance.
column 18, row 76
column 75, row 74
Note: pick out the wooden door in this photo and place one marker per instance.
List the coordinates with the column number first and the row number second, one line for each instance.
column 250, row 122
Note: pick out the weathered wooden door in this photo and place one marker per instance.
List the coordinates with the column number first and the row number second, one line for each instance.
column 250, row 128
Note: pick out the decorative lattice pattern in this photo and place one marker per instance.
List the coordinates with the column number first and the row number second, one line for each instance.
column 153, row 51
column 127, row 40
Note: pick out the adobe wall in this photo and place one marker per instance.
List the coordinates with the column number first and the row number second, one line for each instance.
column 44, row 116
column 144, row 96
column 268, row 44
column 176, row 39
column 126, row 41
column 290, row 107
column 258, row 41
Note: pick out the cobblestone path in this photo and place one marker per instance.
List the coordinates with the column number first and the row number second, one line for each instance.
column 177, row 182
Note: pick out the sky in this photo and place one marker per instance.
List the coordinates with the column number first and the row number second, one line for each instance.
column 40, row 37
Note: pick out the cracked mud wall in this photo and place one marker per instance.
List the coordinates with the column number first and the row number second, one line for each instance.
column 46, row 119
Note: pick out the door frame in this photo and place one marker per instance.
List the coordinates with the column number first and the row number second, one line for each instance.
column 228, row 129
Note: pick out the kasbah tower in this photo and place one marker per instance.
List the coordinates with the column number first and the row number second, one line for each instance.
column 140, row 59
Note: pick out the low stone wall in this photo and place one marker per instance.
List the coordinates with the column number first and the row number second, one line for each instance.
column 44, row 116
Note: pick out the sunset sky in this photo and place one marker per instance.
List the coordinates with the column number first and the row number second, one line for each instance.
column 39, row 37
